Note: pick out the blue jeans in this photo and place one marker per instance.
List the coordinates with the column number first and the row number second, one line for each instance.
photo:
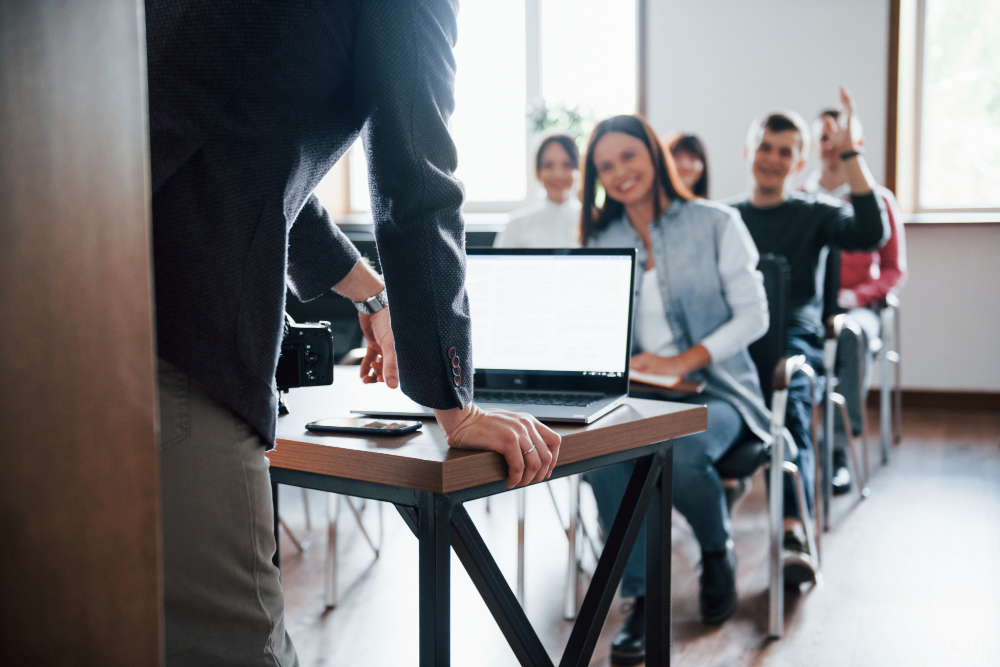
column 798, row 417
column 697, row 489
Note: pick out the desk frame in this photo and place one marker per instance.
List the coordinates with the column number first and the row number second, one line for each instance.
column 441, row 522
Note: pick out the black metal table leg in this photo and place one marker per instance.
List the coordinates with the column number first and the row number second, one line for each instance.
column 276, row 558
column 658, row 520
column 618, row 546
column 493, row 588
column 439, row 521
column 434, row 534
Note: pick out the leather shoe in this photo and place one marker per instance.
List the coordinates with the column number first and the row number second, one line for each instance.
column 629, row 646
column 718, row 585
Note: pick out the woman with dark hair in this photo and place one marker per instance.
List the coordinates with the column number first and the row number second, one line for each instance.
column 555, row 222
column 699, row 303
column 692, row 163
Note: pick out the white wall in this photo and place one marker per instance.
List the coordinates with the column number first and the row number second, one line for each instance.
column 951, row 307
column 714, row 65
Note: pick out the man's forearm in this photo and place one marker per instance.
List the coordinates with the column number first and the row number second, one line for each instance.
column 858, row 175
column 360, row 283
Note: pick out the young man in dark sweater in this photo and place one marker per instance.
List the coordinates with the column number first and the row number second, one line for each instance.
column 802, row 227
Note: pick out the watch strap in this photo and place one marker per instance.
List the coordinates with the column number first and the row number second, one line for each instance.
column 372, row 305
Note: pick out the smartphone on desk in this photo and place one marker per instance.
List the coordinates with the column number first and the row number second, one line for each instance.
column 363, row 425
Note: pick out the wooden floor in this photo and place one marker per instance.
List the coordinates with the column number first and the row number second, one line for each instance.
column 911, row 576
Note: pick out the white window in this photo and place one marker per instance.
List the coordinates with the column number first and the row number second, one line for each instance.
column 512, row 56
column 954, row 128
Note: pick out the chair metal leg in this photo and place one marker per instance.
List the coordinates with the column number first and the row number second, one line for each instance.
column 862, row 479
column 330, row 571
column 897, row 348
column 364, row 532
column 825, row 451
column 800, row 493
column 571, row 600
column 302, row 544
column 885, row 404
column 776, row 602
column 521, row 499
column 333, row 515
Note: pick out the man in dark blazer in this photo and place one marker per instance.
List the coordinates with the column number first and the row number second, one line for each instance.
column 250, row 104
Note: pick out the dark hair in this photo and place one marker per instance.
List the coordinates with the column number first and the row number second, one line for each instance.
column 665, row 177
column 832, row 113
column 691, row 144
column 782, row 120
column 568, row 144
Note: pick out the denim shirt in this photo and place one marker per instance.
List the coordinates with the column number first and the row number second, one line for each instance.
column 685, row 243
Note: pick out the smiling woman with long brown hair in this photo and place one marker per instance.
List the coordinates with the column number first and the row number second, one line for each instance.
column 699, row 303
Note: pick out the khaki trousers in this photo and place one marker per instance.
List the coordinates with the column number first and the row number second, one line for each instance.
column 223, row 601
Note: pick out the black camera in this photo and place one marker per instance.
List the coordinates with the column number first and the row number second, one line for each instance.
column 306, row 355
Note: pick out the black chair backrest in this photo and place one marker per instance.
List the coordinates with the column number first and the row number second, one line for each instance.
column 831, row 285
column 772, row 346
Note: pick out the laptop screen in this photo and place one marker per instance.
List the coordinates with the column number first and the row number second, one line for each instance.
column 541, row 318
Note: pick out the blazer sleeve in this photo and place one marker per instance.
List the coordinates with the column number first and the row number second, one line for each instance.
column 404, row 73
column 319, row 254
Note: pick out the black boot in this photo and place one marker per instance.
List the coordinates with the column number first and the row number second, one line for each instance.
column 629, row 645
column 718, row 585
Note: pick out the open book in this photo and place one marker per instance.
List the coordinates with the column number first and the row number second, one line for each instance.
column 672, row 382
column 665, row 381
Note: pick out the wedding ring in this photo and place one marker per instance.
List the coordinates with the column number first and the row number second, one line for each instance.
column 528, row 451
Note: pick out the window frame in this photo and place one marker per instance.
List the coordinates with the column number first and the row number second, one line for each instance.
column 908, row 23
column 533, row 96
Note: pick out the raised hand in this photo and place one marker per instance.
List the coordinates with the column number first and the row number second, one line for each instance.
column 847, row 137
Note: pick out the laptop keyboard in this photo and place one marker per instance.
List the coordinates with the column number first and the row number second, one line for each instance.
column 535, row 398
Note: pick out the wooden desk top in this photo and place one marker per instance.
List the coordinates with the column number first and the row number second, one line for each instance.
column 423, row 460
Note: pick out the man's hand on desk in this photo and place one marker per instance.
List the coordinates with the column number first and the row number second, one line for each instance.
column 379, row 363
column 530, row 448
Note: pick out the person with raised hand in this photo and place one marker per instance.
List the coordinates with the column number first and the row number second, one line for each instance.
column 801, row 227
column 866, row 278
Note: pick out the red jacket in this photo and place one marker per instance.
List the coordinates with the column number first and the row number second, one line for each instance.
column 872, row 275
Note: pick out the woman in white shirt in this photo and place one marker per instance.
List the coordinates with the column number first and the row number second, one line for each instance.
column 555, row 222
column 700, row 302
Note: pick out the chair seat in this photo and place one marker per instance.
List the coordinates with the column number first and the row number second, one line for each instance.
column 743, row 459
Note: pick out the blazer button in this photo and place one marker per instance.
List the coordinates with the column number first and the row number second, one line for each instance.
column 458, row 381
column 452, row 352
column 456, row 361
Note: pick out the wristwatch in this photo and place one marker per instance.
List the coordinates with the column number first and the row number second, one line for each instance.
column 372, row 305
column 847, row 155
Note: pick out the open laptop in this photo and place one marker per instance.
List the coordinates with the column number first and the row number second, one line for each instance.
column 551, row 333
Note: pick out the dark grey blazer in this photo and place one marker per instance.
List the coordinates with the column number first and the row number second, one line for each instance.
column 250, row 104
